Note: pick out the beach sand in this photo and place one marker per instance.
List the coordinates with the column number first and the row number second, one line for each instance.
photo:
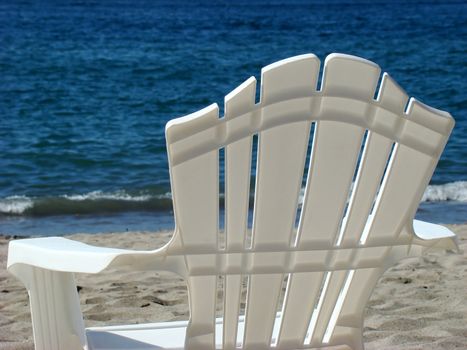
column 421, row 303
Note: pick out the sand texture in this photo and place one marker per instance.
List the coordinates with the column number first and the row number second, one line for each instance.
column 421, row 303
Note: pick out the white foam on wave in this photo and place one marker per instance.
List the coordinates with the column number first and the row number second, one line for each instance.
column 99, row 195
column 452, row 191
column 120, row 195
column 15, row 204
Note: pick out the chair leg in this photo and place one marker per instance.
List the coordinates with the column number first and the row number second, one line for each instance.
column 55, row 309
column 351, row 339
column 357, row 340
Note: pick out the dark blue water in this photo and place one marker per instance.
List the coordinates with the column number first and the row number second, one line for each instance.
column 87, row 87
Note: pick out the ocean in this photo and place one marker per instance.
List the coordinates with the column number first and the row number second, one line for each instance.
column 86, row 88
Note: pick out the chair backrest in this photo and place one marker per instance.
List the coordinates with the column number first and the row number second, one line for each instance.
column 370, row 161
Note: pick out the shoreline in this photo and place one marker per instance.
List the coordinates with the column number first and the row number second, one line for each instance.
column 420, row 303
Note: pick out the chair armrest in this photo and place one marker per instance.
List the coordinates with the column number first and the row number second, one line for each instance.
column 61, row 254
column 434, row 236
column 46, row 267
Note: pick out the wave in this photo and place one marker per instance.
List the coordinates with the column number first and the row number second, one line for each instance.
column 118, row 195
column 95, row 202
column 452, row 191
column 99, row 202
column 15, row 204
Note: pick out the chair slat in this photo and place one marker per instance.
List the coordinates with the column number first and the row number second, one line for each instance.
column 280, row 165
column 232, row 294
column 332, row 166
column 372, row 165
column 335, row 150
column 301, row 296
column 202, row 293
column 408, row 174
column 195, row 192
column 262, row 296
column 336, row 282
column 237, row 192
column 238, row 168
column 281, row 153
column 404, row 183
column 361, row 287
column 281, row 159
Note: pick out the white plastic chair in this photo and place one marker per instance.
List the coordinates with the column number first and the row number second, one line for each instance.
column 356, row 219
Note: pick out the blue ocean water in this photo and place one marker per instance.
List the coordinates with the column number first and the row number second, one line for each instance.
column 86, row 88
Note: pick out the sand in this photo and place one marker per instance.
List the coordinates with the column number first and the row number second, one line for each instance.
column 421, row 303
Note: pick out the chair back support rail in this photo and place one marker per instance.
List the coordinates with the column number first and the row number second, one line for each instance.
column 370, row 162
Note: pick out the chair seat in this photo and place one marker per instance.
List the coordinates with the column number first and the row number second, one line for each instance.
column 163, row 335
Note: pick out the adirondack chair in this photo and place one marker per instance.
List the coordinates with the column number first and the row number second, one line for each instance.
column 356, row 219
